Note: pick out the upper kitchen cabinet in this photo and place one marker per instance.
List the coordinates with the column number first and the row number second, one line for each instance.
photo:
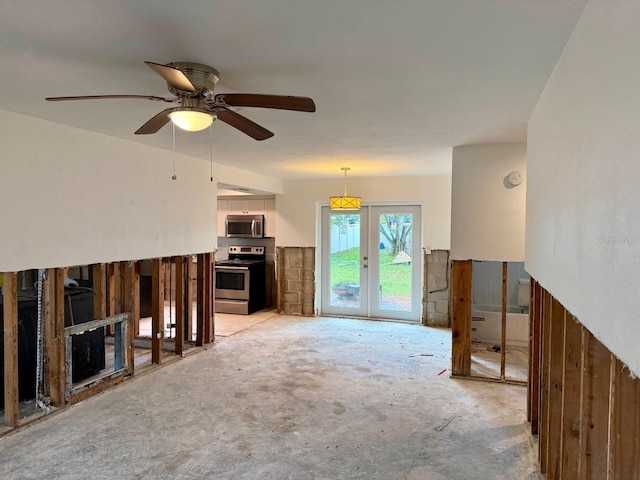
column 246, row 207
column 270, row 217
column 223, row 209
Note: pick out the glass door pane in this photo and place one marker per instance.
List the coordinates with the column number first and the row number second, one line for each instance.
column 395, row 262
column 344, row 284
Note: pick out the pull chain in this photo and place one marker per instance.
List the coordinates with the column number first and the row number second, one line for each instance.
column 174, row 176
column 211, row 148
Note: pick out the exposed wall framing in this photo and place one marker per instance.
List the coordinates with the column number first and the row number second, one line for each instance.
column 461, row 326
column 201, row 296
column 10, row 325
column 157, row 309
column 116, row 288
column 461, row 303
column 587, row 403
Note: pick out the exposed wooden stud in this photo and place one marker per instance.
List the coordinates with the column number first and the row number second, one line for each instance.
column 624, row 424
column 157, row 309
column 188, row 293
column 181, row 304
column 503, row 333
column 571, row 398
column 121, row 300
column 556, row 347
column 54, row 336
column 461, row 317
column 10, row 325
column 208, row 282
column 111, row 294
column 200, row 320
column 212, row 294
column 98, row 274
column 596, row 374
column 535, row 311
column 132, row 305
column 589, row 426
column 543, row 431
column 530, row 365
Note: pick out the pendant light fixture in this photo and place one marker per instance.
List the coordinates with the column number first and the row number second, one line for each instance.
column 345, row 202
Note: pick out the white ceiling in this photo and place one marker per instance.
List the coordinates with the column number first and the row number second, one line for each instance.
column 396, row 83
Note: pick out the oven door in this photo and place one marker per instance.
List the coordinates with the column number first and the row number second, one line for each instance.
column 232, row 283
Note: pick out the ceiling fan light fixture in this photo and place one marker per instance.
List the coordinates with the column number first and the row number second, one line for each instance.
column 345, row 202
column 192, row 120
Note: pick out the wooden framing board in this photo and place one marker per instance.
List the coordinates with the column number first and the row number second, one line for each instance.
column 624, row 424
column 181, row 304
column 530, row 366
column 535, row 312
column 121, row 298
column 111, row 294
column 132, row 305
column 200, row 286
column 556, row 348
column 98, row 274
column 157, row 309
column 571, row 398
column 10, row 339
column 543, row 430
column 188, row 293
column 461, row 317
column 596, row 380
column 589, row 425
column 208, row 295
column 54, row 335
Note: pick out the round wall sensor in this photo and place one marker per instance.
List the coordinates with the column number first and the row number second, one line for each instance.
column 515, row 178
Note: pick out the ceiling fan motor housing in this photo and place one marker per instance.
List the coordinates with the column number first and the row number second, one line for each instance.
column 203, row 78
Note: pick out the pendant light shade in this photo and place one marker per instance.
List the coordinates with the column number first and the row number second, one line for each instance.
column 191, row 120
column 345, row 202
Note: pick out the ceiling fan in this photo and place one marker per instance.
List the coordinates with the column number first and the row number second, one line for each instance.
column 197, row 107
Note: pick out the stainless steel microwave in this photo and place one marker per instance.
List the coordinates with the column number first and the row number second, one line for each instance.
column 245, row 226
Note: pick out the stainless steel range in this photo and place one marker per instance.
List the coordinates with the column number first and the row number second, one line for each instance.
column 240, row 281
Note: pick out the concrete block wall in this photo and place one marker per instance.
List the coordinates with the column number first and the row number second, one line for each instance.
column 438, row 273
column 296, row 280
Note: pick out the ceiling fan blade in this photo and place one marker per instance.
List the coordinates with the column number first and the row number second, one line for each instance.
column 244, row 124
column 282, row 102
column 156, row 122
column 173, row 76
column 100, row 97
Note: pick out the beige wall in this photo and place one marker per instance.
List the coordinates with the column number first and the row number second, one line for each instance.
column 583, row 214
column 297, row 206
column 487, row 213
column 74, row 197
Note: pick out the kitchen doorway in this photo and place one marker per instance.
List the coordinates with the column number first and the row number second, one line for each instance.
column 371, row 262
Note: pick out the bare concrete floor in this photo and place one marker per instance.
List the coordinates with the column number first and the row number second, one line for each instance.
column 290, row 398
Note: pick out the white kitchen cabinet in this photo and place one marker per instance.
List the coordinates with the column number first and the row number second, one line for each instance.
column 270, row 217
column 246, row 207
column 223, row 209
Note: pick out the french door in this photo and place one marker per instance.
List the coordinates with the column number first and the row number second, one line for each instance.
column 371, row 263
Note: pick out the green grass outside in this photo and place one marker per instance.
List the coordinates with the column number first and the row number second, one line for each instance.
column 394, row 279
